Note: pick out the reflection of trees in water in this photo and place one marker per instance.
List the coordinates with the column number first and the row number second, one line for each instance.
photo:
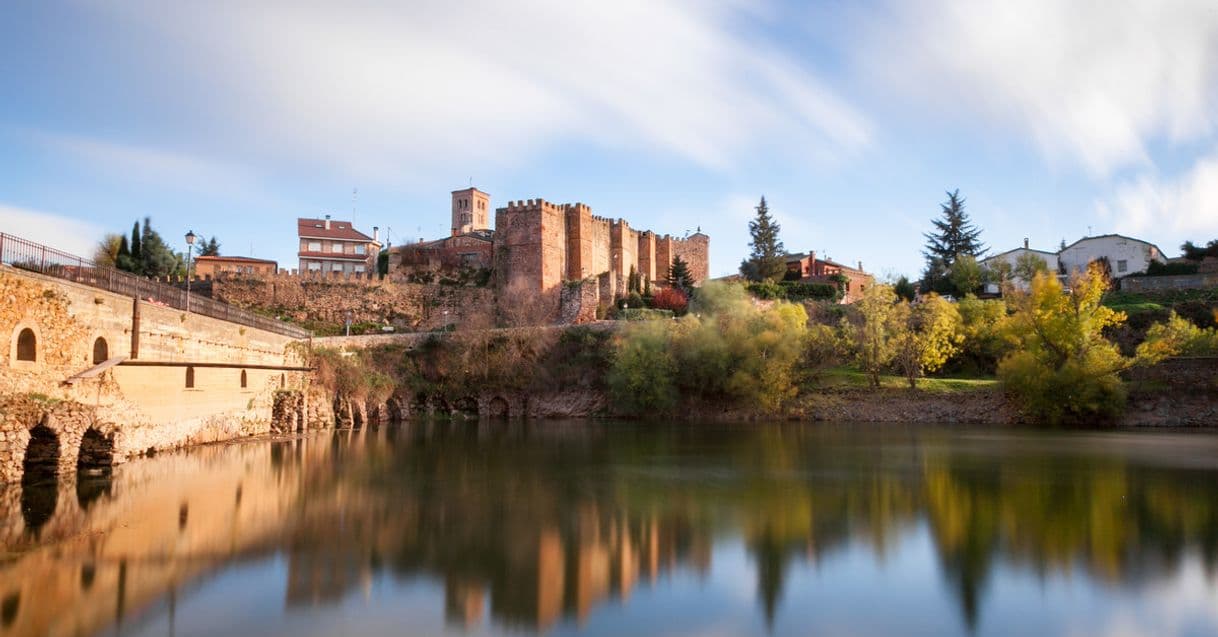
column 541, row 522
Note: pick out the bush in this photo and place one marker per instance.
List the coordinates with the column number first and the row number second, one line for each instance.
column 670, row 299
column 642, row 377
column 766, row 290
column 642, row 314
column 810, row 291
column 1167, row 269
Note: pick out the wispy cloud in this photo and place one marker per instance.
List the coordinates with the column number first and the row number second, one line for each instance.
column 387, row 90
column 1185, row 205
column 1092, row 83
column 49, row 228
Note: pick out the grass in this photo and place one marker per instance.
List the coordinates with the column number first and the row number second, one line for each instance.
column 849, row 377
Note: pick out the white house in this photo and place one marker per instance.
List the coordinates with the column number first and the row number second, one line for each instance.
column 1126, row 255
column 1012, row 257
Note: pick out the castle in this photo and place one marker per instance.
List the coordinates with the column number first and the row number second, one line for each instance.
column 537, row 246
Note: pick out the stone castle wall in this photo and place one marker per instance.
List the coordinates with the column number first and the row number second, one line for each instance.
column 389, row 301
column 540, row 245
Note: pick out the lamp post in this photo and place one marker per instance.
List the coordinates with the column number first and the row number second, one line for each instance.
column 190, row 247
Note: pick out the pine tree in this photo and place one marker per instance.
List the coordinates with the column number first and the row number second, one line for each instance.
column 954, row 236
column 633, row 281
column 679, row 276
column 210, row 248
column 767, row 259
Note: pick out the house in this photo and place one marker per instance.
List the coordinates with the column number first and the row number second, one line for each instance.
column 471, row 244
column 1011, row 259
column 208, row 266
column 328, row 245
column 805, row 267
column 1125, row 255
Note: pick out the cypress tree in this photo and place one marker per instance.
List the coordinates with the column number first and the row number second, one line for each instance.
column 767, row 258
column 136, row 251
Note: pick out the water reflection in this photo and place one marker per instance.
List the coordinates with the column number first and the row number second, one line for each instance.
column 578, row 527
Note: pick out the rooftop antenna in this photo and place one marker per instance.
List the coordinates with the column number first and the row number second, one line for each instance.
column 1088, row 231
column 471, row 182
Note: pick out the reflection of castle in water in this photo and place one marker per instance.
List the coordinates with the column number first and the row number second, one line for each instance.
column 528, row 525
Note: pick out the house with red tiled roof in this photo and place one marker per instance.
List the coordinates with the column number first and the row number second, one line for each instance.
column 209, row 266
column 328, row 245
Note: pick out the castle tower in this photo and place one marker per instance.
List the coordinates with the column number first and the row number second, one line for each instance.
column 471, row 211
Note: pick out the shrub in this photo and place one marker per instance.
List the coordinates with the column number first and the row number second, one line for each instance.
column 1167, row 269
column 670, row 299
column 810, row 291
column 642, row 377
column 766, row 290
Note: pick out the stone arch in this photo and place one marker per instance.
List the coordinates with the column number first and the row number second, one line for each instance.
column 94, row 461
column 101, row 350
column 40, row 466
column 244, row 380
column 26, row 347
column 418, row 407
column 498, row 407
column 440, row 407
column 190, row 377
column 467, row 406
column 393, row 410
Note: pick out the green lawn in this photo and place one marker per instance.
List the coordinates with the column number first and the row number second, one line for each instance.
column 849, row 377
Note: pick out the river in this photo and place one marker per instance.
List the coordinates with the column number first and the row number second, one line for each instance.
column 608, row 528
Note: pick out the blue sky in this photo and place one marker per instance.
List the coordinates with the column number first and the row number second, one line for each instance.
column 234, row 118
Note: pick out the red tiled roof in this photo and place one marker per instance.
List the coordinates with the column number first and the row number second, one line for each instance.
column 218, row 259
column 338, row 230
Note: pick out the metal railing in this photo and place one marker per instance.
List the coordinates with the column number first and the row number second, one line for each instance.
column 35, row 257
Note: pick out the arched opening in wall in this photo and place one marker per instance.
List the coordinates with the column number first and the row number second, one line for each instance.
column 498, row 407
column 418, row 408
column 93, row 467
column 27, row 345
column 9, row 608
column 468, row 407
column 101, row 351
column 244, row 380
column 283, row 381
column 39, row 493
column 190, row 378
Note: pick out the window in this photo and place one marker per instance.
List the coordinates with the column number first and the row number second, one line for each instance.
column 27, row 345
column 1122, row 265
column 336, row 267
column 337, row 248
column 361, row 249
column 190, row 378
column 101, row 352
column 359, row 267
column 243, row 379
column 314, row 246
column 313, row 266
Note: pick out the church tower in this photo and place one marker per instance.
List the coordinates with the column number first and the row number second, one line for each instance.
column 471, row 211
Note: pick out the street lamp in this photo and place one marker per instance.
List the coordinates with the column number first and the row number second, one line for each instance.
column 190, row 247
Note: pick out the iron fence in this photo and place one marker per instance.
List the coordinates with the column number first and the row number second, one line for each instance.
column 35, row 257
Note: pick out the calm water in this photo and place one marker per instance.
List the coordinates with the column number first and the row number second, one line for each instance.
column 620, row 529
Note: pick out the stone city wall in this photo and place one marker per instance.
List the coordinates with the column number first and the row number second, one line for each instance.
column 1198, row 281
column 389, row 301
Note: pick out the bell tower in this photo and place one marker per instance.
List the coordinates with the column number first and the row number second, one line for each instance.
column 471, row 211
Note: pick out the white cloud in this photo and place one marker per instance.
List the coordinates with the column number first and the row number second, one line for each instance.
column 389, row 91
column 57, row 231
column 1186, row 206
column 1093, row 83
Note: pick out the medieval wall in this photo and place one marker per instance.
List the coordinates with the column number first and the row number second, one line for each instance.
column 695, row 251
column 389, row 301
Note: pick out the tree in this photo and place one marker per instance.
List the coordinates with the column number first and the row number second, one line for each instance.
column 1063, row 368
column 209, row 248
column 1193, row 252
column 874, row 336
column 1028, row 265
column 137, row 252
column 382, row 263
column 929, row 337
column 954, row 236
column 904, row 289
column 679, row 276
column 108, row 250
column 767, row 257
column 966, row 275
column 156, row 259
column 633, row 281
column 642, row 376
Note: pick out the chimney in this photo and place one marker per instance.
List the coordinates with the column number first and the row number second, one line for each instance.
column 327, row 222
column 1025, row 243
column 376, row 233
column 860, row 266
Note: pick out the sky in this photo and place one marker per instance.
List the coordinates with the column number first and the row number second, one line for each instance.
column 1054, row 119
